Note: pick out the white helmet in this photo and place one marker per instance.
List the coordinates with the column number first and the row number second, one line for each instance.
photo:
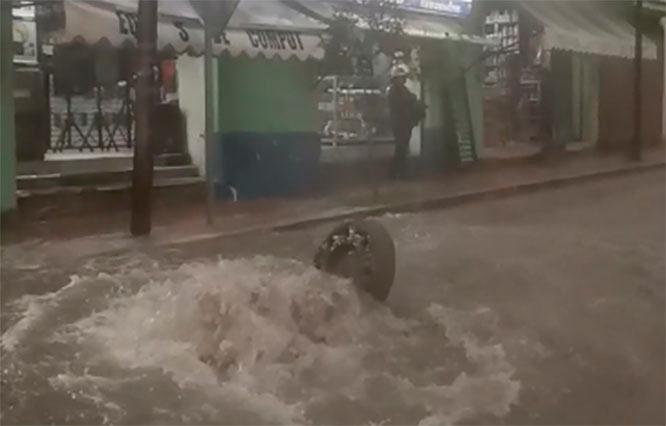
column 399, row 70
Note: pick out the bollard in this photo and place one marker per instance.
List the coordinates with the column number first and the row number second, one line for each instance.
column 362, row 251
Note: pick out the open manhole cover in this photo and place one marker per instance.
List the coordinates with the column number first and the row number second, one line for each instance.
column 362, row 251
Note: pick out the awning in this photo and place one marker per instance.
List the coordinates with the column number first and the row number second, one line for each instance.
column 262, row 27
column 655, row 5
column 586, row 27
column 420, row 25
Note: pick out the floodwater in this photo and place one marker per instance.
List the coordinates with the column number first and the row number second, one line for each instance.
column 258, row 340
column 539, row 309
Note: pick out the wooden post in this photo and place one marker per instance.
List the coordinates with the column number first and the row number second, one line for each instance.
column 142, row 175
column 635, row 151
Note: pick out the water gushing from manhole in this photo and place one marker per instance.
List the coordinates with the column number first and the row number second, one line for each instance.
column 280, row 343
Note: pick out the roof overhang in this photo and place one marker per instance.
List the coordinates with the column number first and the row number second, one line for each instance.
column 656, row 6
column 266, row 28
column 587, row 27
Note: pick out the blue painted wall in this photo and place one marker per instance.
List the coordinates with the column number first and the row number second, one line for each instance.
column 268, row 135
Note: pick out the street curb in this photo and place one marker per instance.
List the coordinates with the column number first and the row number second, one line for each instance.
column 466, row 197
column 419, row 205
column 431, row 203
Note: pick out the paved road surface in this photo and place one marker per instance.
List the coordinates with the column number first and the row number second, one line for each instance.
column 545, row 308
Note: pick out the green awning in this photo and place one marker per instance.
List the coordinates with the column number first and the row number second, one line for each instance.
column 587, row 27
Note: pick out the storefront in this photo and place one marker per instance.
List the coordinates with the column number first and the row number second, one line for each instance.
column 273, row 109
column 446, row 76
column 567, row 76
column 265, row 108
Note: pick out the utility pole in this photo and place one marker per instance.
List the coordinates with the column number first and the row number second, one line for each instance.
column 662, row 21
column 635, row 150
column 209, row 122
column 142, row 174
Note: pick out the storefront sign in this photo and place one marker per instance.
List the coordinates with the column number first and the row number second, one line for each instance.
column 457, row 8
column 275, row 39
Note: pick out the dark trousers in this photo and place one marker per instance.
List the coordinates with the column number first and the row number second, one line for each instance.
column 399, row 164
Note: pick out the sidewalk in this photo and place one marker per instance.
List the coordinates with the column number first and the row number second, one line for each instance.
column 107, row 231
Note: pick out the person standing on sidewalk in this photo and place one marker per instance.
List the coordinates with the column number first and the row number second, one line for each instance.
column 406, row 112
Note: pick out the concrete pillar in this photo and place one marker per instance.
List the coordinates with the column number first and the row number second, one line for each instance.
column 663, row 92
column 191, row 101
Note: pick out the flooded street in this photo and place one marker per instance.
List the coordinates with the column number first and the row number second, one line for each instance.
column 332, row 212
column 534, row 309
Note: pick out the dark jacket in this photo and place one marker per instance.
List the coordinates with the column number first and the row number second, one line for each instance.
column 399, row 101
column 406, row 110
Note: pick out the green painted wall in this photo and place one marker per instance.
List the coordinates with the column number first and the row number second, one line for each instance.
column 444, row 66
column 562, row 81
column 7, row 142
column 590, row 82
column 436, row 143
column 576, row 97
column 464, row 58
column 266, row 96
column 474, row 86
column 585, row 97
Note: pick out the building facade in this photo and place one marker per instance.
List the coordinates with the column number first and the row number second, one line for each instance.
column 7, row 141
column 570, row 79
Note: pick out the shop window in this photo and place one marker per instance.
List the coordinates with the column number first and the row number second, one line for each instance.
column 353, row 109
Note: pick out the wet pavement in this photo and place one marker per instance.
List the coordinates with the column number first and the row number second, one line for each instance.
column 545, row 308
column 180, row 214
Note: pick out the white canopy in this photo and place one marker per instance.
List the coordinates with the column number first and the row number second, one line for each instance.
column 257, row 27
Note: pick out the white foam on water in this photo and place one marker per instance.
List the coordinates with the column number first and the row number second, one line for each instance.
column 33, row 309
column 88, row 387
column 283, row 343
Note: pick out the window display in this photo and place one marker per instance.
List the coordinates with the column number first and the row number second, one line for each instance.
column 353, row 110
